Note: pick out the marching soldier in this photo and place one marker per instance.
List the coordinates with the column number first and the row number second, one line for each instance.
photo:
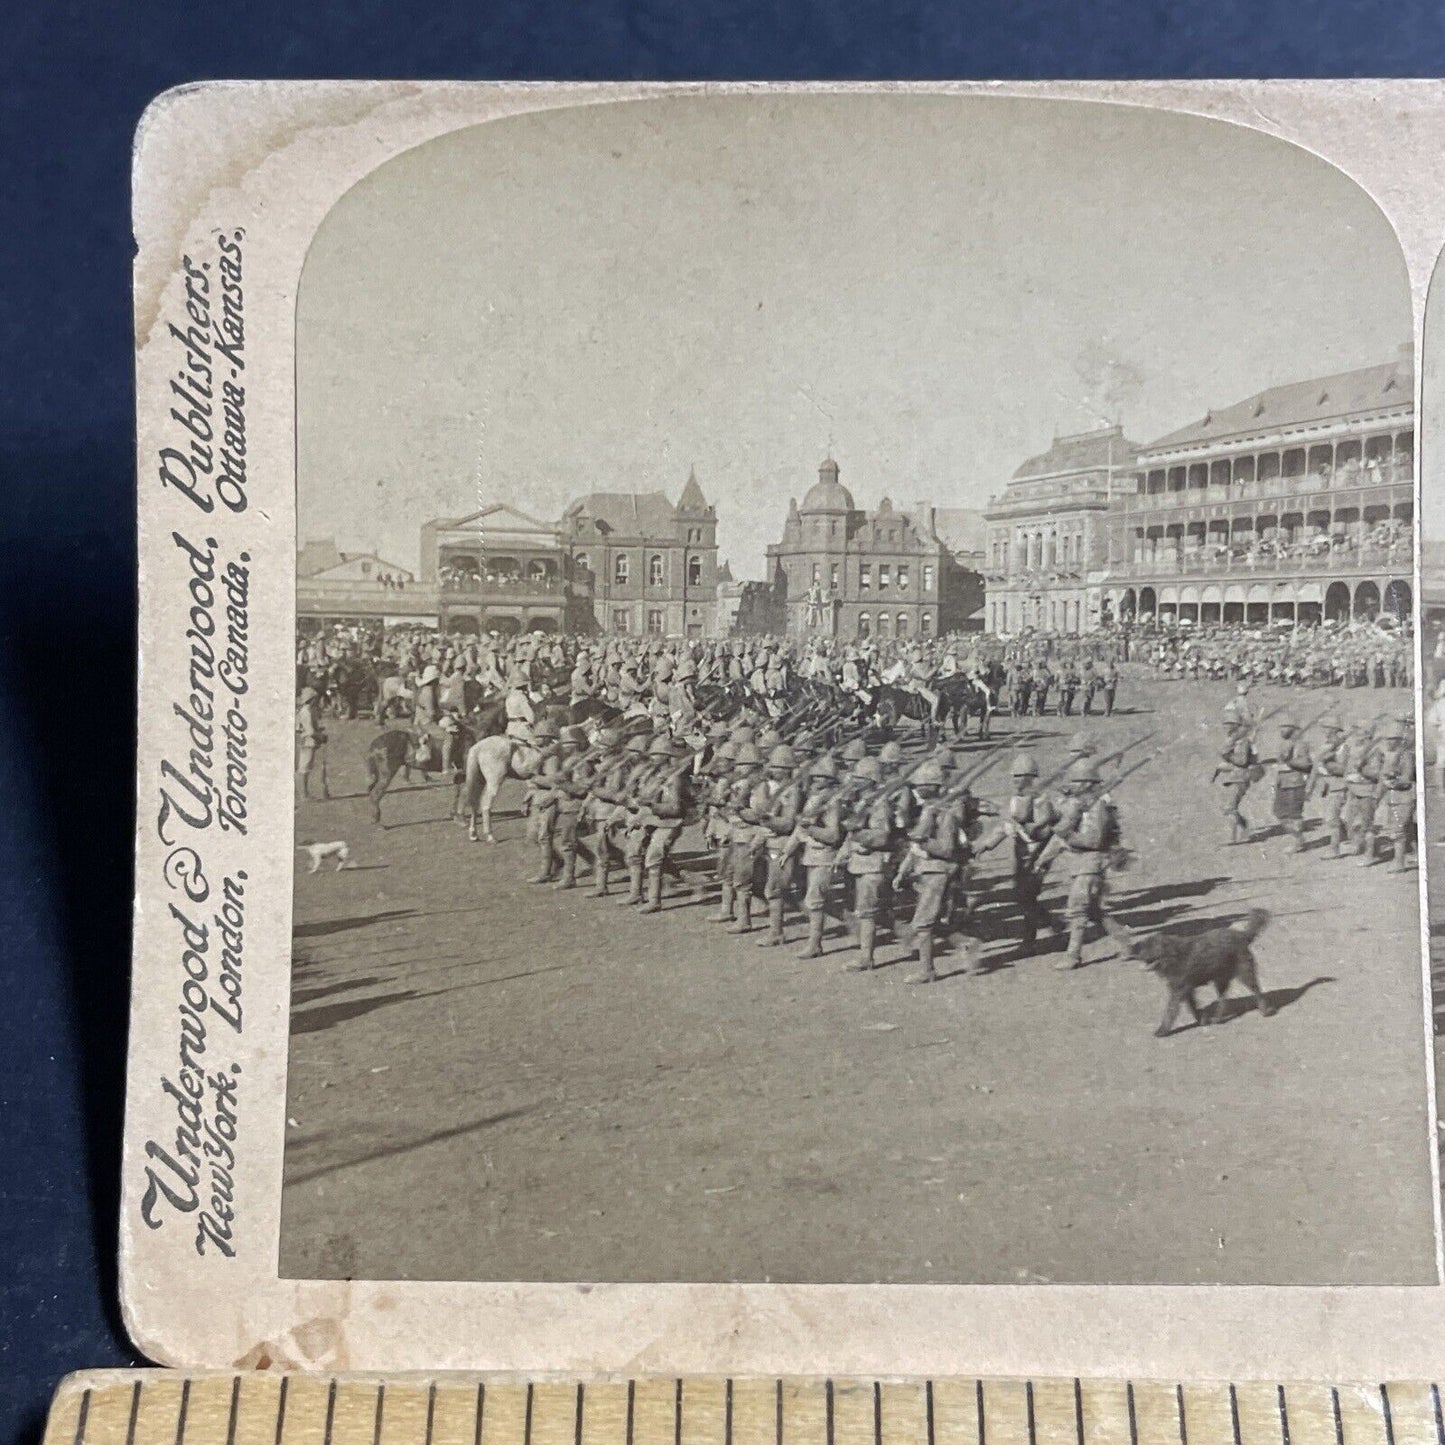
column 1329, row 781
column 1292, row 770
column 670, row 797
column 1362, row 789
column 1028, row 821
column 744, row 840
column 717, row 830
column 936, row 851
column 1396, row 768
column 869, row 852
column 773, row 810
column 1069, row 685
column 1089, row 833
column 821, row 825
column 576, row 772
column 543, row 797
column 1234, row 772
column 310, row 743
column 641, row 820
column 609, row 807
column 1110, row 683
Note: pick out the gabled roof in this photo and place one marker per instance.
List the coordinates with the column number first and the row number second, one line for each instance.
column 499, row 514
column 1084, row 451
column 1303, row 403
column 692, row 500
column 626, row 514
column 348, row 559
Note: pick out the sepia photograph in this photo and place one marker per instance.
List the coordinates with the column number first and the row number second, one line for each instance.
column 855, row 706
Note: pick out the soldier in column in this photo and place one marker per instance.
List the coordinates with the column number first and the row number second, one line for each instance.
column 773, row 810
column 671, row 799
column 1027, row 821
column 641, row 819
column 1293, row 768
column 542, row 799
column 936, row 851
column 1363, row 790
column 579, row 767
column 1235, row 771
column 869, row 855
column 1395, row 752
column 743, row 840
column 1088, row 834
column 1069, row 685
column 820, row 823
column 717, row 831
column 609, row 805
column 1328, row 782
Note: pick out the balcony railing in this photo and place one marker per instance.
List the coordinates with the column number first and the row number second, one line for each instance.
column 1194, row 564
column 370, row 599
column 1389, row 475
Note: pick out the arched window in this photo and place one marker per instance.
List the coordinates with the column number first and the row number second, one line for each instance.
column 817, row 573
column 694, row 571
column 902, row 627
column 654, row 569
column 622, row 570
column 864, row 624
column 928, row 579
column 925, row 623
column 583, row 561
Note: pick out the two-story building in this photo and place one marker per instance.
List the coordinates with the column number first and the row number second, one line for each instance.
column 1047, row 533
column 652, row 563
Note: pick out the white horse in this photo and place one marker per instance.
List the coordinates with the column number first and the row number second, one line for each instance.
column 489, row 764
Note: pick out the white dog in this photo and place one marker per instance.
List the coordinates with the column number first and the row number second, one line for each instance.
column 321, row 851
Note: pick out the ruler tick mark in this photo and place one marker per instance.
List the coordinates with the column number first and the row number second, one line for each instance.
column 280, row 1409
column 330, row 1412
column 1179, row 1410
column 431, row 1409
column 1439, row 1421
column 1283, row 1416
column 1133, row 1418
column 186, row 1406
column 1079, row 1409
column 134, row 1411
column 1385, row 1406
column 1234, row 1414
column 577, row 1424
column 235, row 1410
column 380, row 1406
column 84, row 1416
column 978, row 1406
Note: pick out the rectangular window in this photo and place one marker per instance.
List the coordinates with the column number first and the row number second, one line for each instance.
column 833, row 575
column 903, row 577
column 694, row 571
column 865, row 576
column 817, row 572
column 654, row 621
column 620, row 616
column 882, row 576
column 928, row 579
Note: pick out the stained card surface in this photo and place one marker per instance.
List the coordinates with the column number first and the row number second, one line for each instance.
column 780, row 728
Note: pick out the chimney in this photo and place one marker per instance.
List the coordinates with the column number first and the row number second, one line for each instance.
column 925, row 515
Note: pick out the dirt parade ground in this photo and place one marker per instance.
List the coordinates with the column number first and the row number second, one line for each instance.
column 492, row 1080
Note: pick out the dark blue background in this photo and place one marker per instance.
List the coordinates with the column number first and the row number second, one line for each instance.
column 73, row 80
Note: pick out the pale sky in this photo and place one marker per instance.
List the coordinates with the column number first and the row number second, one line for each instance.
column 596, row 299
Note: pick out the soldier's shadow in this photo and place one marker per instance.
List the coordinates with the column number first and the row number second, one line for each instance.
column 1152, row 908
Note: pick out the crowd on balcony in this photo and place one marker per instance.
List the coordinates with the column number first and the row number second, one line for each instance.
column 1388, row 541
column 471, row 577
column 1350, row 654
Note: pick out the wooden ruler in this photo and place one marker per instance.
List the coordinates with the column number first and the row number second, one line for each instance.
column 161, row 1407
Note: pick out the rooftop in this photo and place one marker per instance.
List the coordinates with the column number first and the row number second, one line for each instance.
column 1083, row 451
column 1304, row 403
column 627, row 514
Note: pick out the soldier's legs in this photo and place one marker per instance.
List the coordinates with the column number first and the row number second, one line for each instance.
column 1334, row 823
column 634, row 848
column 567, row 824
column 926, row 913
column 744, row 859
column 546, row 824
column 1076, row 914
column 815, row 904
column 774, row 891
column 867, row 890
column 305, row 757
column 1233, row 795
column 657, row 857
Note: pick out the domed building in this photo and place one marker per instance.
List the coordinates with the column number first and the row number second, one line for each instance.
column 843, row 572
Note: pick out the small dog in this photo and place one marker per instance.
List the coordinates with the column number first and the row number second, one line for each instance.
column 319, row 852
column 1217, row 956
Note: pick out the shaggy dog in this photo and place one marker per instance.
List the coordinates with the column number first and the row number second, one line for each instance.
column 321, row 851
column 1217, row 956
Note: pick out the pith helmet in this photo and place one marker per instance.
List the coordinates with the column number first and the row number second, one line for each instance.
column 1392, row 730
column 1081, row 745
column 743, row 733
column 1288, row 724
column 660, row 746
column 854, row 751
column 747, row 756
column 867, row 770
column 1083, row 771
column 637, row 743
column 724, row 755
column 929, row 775
column 943, row 756
column 1331, row 724
column 574, row 737
column 823, row 767
column 545, row 731
column 769, row 739
column 1023, row 766
column 890, row 753
column 782, row 756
